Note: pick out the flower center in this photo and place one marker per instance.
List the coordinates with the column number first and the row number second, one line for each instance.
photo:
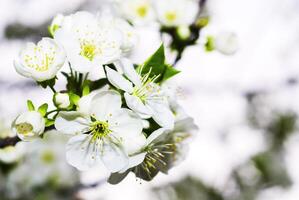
column 142, row 10
column 99, row 129
column 148, row 88
column 48, row 157
column 40, row 60
column 24, row 128
column 88, row 50
column 170, row 16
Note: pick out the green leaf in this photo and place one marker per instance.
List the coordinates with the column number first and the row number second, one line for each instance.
column 74, row 98
column 155, row 63
column 30, row 105
column 49, row 122
column 169, row 72
column 43, row 109
column 86, row 90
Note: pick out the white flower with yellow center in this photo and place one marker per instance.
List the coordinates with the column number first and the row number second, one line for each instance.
column 139, row 12
column 103, row 132
column 129, row 35
column 176, row 12
column 29, row 125
column 142, row 94
column 88, row 43
column 40, row 61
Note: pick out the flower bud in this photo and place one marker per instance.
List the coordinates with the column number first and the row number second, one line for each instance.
column 29, row 125
column 227, row 43
column 184, row 32
column 62, row 100
column 56, row 24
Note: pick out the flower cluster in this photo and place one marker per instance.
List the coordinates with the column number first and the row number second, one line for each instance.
column 117, row 114
column 167, row 13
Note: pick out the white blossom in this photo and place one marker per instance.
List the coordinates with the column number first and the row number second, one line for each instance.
column 89, row 42
column 42, row 61
column 104, row 133
column 142, row 94
column 139, row 12
column 11, row 154
column 29, row 125
column 176, row 12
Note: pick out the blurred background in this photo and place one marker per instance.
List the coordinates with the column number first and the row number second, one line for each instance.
column 246, row 105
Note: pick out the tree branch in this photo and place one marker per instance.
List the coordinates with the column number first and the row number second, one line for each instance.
column 9, row 141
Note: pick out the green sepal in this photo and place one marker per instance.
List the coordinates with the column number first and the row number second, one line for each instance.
column 30, row 105
column 116, row 178
column 93, row 119
column 47, row 83
column 210, row 44
column 86, row 90
column 43, row 109
column 49, row 122
column 74, row 98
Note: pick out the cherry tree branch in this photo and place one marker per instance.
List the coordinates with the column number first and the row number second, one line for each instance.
column 9, row 141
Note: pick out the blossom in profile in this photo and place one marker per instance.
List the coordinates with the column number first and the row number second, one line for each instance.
column 40, row 61
column 29, row 125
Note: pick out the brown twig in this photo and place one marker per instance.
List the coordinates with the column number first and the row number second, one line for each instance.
column 9, row 141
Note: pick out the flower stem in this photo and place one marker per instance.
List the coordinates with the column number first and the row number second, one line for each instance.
column 52, row 111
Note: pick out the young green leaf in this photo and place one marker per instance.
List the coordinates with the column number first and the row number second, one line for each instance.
column 43, row 109
column 30, row 105
column 169, row 72
column 155, row 63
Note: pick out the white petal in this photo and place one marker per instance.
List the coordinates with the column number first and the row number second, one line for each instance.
column 96, row 72
column 105, row 103
column 71, row 123
column 130, row 72
column 162, row 114
column 136, row 105
column 80, row 63
column 128, row 127
column 117, row 80
column 84, row 103
column 155, row 135
column 134, row 144
column 134, row 161
column 82, row 153
column 21, row 69
column 113, row 157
